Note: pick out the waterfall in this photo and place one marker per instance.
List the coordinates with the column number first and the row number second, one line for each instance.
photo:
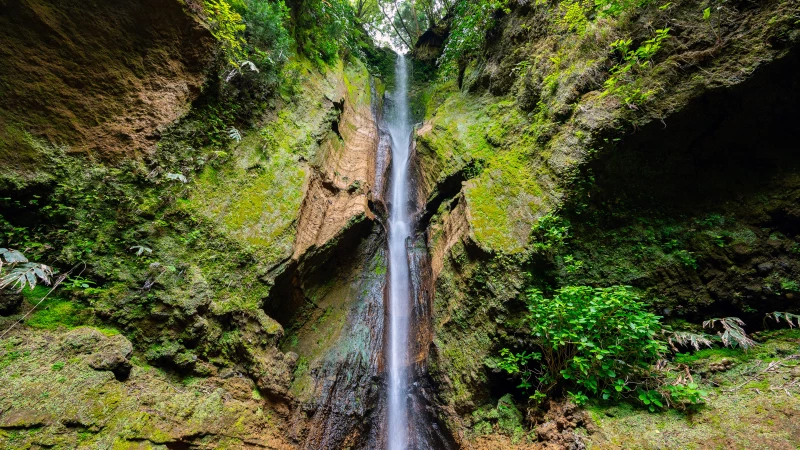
column 399, row 126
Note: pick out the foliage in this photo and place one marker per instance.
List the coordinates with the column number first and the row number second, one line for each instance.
column 550, row 233
column 573, row 17
column 732, row 334
column 612, row 8
column 266, row 45
column 625, row 81
column 791, row 319
column 686, row 258
column 594, row 341
column 20, row 272
column 471, row 20
column 688, row 339
column 324, row 27
column 227, row 27
column 254, row 44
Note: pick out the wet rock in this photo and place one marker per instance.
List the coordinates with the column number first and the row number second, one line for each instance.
column 272, row 373
column 24, row 418
column 721, row 366
column 9, row 302
column 83, row 340
column 765, row 268
column 113, row 356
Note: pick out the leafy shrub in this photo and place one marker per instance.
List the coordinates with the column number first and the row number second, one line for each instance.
column 550, row 233
column 591, row 341
column 323, row 28
column 573, row 17
column 267, row 42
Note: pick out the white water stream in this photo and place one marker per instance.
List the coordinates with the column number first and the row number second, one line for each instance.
column 399, row 125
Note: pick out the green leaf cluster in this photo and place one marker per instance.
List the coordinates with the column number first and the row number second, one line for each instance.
column 626, row 82
column 471, row 20
column 592, row 342
column 228, row 28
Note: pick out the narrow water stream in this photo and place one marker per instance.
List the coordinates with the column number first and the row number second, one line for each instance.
column 399, row 311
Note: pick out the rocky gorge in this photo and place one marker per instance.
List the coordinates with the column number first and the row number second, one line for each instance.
column 219, row 221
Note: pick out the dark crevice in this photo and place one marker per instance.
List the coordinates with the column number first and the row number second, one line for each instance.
column 339, row 107
column 732, row 153
column 447, row 190
column 723, row 144
column 287, row 299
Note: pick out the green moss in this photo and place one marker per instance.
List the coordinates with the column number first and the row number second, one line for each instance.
column 54, row 312
column 504, row 418
column 504, row 198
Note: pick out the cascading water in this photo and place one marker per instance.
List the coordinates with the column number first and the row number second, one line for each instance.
column 399, row 126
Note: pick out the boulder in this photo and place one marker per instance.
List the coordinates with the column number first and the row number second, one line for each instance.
column 9, row 302
column 113, row 355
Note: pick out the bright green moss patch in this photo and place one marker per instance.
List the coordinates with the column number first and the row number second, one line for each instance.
column 505, row 198
column 54, row 312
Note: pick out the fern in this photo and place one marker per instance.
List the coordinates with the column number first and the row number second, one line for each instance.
column 176, row 176
column 733, row 334
column 234, row 134
column 689, row 339
column 20, row 271
column 788, row 317
column 140, row 249
column 239, row 69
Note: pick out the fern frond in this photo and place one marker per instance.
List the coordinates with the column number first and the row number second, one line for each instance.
column 26, row 274
column 140, row 249
column 689, row 339
column 249, row 65
column 733, row 334
column 11, row 256
column 234, row 134
column 788, row 317
column 176, row 176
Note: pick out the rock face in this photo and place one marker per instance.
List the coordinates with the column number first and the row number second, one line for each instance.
column 339, row 189
column 666, row 196
column 60, row 392
column 99, row 77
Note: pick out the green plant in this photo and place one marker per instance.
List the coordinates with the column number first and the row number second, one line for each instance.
column 789, row 286
column 732, row 333
column 572, row 265
column 573, row 17
column 686, row 258
column 227, row 27
column 594, row 341
column 471, row 20
column 77, row 283
column 20, row 272
column 684, row 395
column 611, row 8
column 650, row 398
column 550, row 233
column 626, row 79
column 323, row 28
